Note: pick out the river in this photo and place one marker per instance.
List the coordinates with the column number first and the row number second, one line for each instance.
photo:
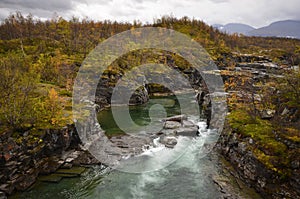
column 190, row 176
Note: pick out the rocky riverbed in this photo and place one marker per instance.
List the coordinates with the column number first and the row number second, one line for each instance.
column 132, row 145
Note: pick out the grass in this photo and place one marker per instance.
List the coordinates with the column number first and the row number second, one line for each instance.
column 292, row 134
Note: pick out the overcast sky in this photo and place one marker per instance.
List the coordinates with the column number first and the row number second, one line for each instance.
column 256, row 13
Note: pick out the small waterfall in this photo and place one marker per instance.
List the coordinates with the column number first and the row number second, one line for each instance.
column 187, row 177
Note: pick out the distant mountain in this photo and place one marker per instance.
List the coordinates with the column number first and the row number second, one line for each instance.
column 287, row 28
column 232, row 28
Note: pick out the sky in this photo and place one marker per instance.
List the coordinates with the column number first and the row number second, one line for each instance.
column 256, row 13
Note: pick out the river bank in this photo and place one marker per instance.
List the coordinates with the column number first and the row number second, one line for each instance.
column 39, row 153
column 261, row 136
column 255, row 171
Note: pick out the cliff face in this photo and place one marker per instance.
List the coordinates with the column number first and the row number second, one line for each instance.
column 237, row 150
column 37, row 153
column 152, row 80
column 261, row 141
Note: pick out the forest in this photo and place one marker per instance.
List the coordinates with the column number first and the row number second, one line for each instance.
column 39, row 59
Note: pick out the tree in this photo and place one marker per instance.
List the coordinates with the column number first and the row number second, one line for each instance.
column 53, row 108
column 289, row 93
column 17, row 86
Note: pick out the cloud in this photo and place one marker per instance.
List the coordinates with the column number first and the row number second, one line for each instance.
column 255, row 13
column 143, row 1
column 59, row 5
column 219, row 1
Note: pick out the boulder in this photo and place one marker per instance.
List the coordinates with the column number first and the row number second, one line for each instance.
column 285, row 111
column 172, row 125
column 166, row 132
column 176, row 118
column 267, row 114
column 140, row 96
column 190, row 131
column 168, row 141
column 186, row 123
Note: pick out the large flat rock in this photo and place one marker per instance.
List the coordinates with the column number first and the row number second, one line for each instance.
column 187, row 131
column 74, row 170
column 176, row 118
column 172, row 125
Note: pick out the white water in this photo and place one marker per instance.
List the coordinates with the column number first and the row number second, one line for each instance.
column 187, row 177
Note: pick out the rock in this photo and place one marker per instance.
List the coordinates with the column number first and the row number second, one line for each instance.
column 206, row 101
column 130, row 145
column 30, row 171
column 295, row 68
column 11, row 164
column 250, row 172
column 26, row 162
column 200, row 97
column 267, row 114
column 27, row 182
column 226, row 149
column 66, row 166
column 85, row 158
column 49, row 165
column 285, row 111
column 25, row 159
column 75, row 171
column 225, row 187
column 168, row 141
column 295, row 164
column 191, row 131
column 172, row 125
column 186, row 123
column 70, row 160
column 295, row 181
column 57, row 177
column 53, row 178
column 177, row 118
column 242, row 147
column 140, row 96
column 7, row 188
column 261, row 182
column 251, row 141
column 167, row 132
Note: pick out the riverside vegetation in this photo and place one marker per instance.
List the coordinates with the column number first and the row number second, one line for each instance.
column 39, row 61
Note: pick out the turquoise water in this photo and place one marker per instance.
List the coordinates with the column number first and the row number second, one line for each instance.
column 140, row 114
column 79, row 187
